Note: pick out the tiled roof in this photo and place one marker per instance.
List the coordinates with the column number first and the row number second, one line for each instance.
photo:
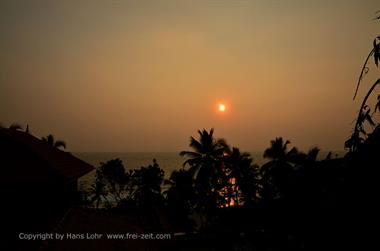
column 63, row 163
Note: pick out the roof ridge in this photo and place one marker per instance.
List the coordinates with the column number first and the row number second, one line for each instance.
column 62, row 162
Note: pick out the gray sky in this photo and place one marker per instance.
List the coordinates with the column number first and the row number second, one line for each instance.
column 145, row 75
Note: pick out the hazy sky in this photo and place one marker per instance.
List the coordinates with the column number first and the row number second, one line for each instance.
column 145, row 75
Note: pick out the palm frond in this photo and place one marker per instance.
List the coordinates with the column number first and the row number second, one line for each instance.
column 196, row 145
column 190, row 154
column 312, row 154
column 60, row 143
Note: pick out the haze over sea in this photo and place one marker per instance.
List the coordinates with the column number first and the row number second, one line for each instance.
column 168, row 161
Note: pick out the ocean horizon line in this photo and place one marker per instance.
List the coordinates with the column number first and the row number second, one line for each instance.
column 339, row 152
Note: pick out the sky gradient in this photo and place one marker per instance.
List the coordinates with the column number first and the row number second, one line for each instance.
column 146, row 75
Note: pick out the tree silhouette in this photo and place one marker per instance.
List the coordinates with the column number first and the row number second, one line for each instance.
column 242, row 176
column 362, row 161
column 53, row 143
column 302, row 159
column 207, row 169
column 359, row 133
column 278, row 151
column 99, row 191
column 276, row 173
column 206, row 158
column 114, row 176
column 146, row 185
column 180, row 198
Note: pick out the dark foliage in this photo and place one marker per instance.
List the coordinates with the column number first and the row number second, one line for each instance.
column 146, row 186
column 50, row 140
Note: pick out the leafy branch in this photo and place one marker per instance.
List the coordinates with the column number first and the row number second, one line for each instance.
column 364, row 114
column 375, row 52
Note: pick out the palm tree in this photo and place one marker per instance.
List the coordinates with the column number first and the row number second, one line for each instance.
column 278, row 151
column 207, row 169
column 53, row 143
column 242, row 176
column 276, row 172
column 206, row 158
column 302, row 159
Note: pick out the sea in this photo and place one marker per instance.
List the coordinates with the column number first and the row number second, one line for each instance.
column 168, row 161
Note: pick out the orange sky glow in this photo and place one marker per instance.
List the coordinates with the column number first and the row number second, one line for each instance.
column 146, row 75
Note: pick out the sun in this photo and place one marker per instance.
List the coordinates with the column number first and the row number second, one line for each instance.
column 221, row 107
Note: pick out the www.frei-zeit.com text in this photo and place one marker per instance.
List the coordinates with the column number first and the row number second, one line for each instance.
column 93, row 236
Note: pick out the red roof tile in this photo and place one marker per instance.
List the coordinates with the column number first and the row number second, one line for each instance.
column 64, row 163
